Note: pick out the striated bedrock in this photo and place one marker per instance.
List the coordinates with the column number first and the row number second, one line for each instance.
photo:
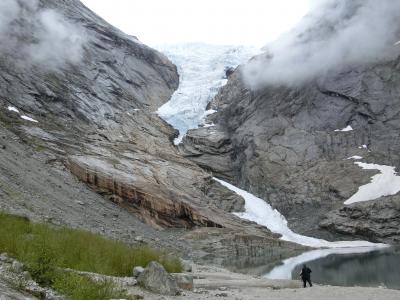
column 155, row 204
column 378, row 219
column 280, row 143
column 112, row 72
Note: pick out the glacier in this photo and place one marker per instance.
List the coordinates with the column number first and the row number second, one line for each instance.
column 201, row 69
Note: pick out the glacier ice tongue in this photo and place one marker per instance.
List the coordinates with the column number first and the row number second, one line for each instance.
column 202, row 72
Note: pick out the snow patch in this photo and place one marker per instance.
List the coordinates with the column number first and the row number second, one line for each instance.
column 201, row 69
column 210, row 112
column 348, row 128
column 355, row 157
column 384, row 184
column 12, row 108
column 259, row 211
column 397, row 43
column 29, row 119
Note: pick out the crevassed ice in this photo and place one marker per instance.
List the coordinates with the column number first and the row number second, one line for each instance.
column 386, row 183
column 257, row 210
column 201, row 68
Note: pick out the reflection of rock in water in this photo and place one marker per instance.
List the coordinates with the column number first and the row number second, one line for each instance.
column 375, row 268
column 251, row 265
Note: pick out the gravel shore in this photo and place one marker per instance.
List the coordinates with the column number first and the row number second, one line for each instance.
column 217, row 283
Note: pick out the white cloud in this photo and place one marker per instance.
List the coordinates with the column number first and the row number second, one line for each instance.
column 337, row 34
column 41, row 36
column 234, row 22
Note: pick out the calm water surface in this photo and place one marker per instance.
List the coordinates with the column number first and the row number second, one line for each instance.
column 370, row 268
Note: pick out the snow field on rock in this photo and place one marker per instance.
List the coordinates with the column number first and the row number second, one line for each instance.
column 260, row 212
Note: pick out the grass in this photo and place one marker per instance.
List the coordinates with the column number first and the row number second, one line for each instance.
column 77, row 287
column 45, row 249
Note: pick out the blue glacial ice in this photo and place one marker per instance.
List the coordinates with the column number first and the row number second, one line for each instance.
column 201, row 69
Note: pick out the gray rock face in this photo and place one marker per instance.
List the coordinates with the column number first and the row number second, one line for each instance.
column 240, row 251
column 154, row 278
column 96, row 115
column 281, row 144
column 378, row 220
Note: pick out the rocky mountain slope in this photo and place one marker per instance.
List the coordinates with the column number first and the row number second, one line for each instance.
column 81, row 145
column 281, row 144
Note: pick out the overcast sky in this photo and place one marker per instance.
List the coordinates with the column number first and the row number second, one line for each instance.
column 233, row 22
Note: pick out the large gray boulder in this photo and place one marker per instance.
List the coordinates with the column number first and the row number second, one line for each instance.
column 154, row 278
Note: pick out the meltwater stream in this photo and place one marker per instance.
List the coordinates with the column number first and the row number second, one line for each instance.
column 202, row 72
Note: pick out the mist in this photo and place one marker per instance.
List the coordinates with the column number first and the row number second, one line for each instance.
column 335, row 35
column 35, row 35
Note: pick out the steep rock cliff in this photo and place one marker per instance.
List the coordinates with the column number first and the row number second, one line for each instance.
column 285, row 145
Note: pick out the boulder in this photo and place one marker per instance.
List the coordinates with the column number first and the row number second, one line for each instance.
column 184, row 281
column 186, row 265
column 137, row 271
column 4, row 258
column 17, row 267
column 154, row 278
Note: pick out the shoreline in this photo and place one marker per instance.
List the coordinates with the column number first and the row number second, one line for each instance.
column 217, row 283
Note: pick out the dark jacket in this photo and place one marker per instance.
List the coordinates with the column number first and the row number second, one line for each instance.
column 305, row 273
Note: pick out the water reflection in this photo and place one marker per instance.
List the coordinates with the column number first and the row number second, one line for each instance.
column 348, row 267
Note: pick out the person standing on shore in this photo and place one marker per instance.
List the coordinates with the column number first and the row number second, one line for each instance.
column 306, row 275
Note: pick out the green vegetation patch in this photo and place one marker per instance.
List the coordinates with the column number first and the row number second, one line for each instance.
column 78, row 287
column 45, row 249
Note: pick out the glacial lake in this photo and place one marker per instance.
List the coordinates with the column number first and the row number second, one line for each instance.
column 367, row 267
